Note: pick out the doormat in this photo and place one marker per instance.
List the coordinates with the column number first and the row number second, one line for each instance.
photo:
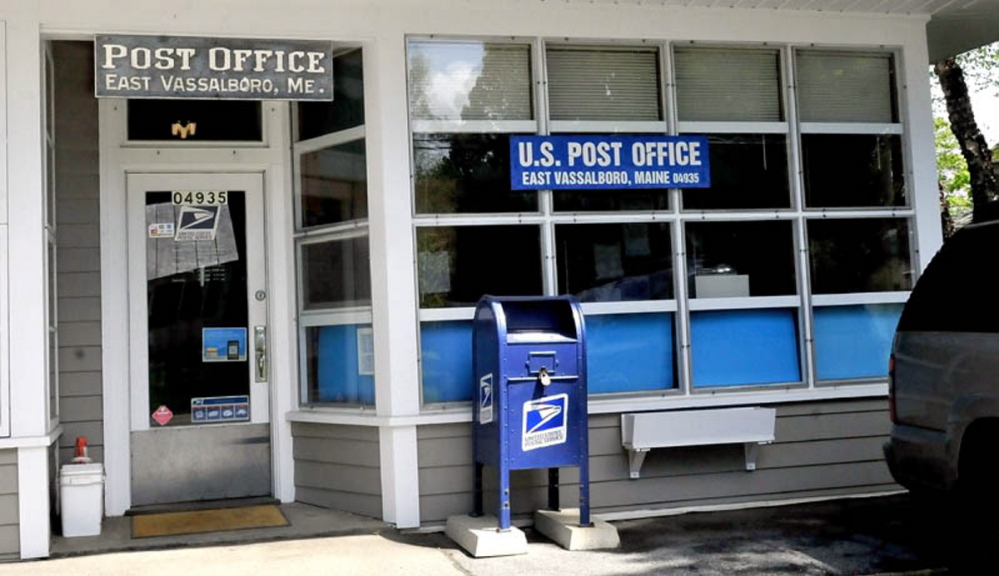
column 198, row 521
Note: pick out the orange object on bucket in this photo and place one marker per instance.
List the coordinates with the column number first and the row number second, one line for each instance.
column 80, row 456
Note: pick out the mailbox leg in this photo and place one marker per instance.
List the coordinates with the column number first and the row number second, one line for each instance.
column 504, row 498
column 477, row 491
column 584, row 494
column 553, row 499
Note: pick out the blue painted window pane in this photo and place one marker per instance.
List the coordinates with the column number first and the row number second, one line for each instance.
column 446, row 353
column 340, row 364
column 629, row 352
column 745, row 347
column 854, row 341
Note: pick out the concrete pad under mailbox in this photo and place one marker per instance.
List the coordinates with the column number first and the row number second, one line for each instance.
column 482, row 538
column 563, row 528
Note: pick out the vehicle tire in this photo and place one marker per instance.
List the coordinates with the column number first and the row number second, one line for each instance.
column 976, row 499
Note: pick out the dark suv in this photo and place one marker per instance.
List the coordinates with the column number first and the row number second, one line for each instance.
column 944, row 375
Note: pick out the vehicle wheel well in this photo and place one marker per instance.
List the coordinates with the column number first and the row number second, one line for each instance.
column 980, row 438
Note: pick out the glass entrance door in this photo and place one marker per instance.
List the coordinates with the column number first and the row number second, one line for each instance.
column 199, row 337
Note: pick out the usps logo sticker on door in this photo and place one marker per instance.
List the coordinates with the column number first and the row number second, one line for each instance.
column 197, row 223
column 545, row 422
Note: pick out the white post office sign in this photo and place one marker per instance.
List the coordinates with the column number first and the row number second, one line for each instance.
column 212, row 68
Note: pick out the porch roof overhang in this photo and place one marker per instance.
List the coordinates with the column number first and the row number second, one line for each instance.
column 953, row 27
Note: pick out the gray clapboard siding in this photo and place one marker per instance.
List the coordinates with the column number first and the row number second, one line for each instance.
column 10, row 543
column 78, row 258
column 338, row 467
column 822, row 449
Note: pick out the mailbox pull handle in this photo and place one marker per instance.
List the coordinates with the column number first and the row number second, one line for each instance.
column 544, row 377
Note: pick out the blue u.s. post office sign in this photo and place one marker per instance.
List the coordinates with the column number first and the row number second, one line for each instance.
column 608, row 162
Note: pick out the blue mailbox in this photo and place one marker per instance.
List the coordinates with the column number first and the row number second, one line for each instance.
column 530, row 386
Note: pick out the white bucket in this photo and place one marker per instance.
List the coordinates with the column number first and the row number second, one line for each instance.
column 82, row 498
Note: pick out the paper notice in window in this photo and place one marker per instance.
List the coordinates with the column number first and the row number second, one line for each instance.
column 435, row 272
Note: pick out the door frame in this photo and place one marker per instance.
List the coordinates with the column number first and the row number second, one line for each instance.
column 118, row 158
column 256, row 278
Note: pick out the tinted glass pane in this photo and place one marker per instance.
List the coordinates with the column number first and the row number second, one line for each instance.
column 614, row 262
column 854, row 341
column 336, row 274
column 870, row 255
column 466, row 173
column 199, row 120
column 469, row 81
column 334, row 184
column 745, row 347
column 459, row 264
column 603, row 84
column 340, row 364
column 610, row 200
column 726, row 85
column 738, row 259
column 747, row 171
column 641, row 342
column 347, row 108
column 446, row 361
column 198, row 315
column 853, row 170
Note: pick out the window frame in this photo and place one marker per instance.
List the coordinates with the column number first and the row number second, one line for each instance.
column 319, row 234
column 802, row 302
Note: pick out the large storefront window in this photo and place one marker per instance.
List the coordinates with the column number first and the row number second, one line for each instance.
column 336, row 335
column 860, row 264
column 793, row 260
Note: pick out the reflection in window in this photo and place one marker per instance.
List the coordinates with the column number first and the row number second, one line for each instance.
column 614, row 262
column 347, row 108
column 598, row 83
column 334, row 184
column 739, row 259
column 335, row 274
column 469, row 81
column 466, row 173
column 459, row 264
column 747, row 171
column 853, row 255
column 856, row 170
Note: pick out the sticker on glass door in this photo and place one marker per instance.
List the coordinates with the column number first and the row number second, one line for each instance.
column 223, row 344
column 220, row 409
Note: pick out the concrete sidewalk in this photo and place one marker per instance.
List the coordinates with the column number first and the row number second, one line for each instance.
column 884, row 535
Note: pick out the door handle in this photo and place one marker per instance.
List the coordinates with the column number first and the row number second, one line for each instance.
column 260, row 343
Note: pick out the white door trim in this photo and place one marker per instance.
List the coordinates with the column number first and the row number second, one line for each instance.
column 137, row 185
column 116, row 160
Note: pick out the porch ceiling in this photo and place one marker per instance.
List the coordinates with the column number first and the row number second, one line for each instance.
column 955, row 26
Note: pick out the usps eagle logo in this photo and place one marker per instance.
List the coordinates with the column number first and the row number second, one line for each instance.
column 544, row 422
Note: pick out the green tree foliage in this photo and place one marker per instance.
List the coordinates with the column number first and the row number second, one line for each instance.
column 975, row 177
column 951, row 167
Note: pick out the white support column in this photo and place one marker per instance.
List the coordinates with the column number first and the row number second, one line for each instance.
column 393, row 285
column 33, row 501
column 281, row 301
column 26, row 201
column 27, row 277
column 918, row 121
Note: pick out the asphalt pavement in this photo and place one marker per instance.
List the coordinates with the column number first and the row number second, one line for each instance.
column 884, row 535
